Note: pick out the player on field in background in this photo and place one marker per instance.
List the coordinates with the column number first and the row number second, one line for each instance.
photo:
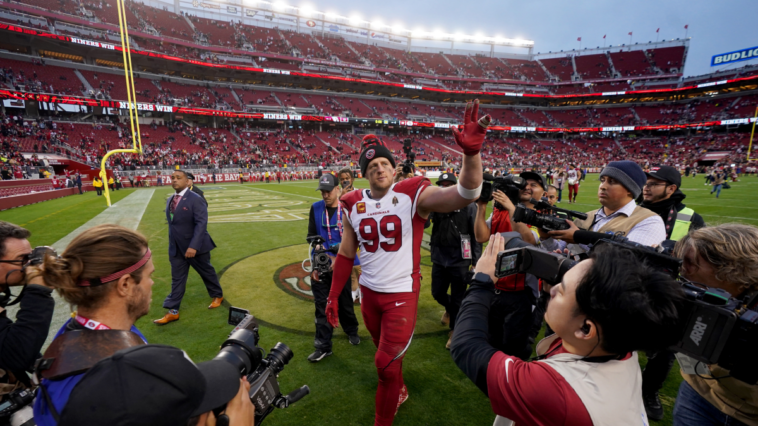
column 387, row 222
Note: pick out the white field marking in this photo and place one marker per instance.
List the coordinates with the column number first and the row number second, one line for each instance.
column 128, row 213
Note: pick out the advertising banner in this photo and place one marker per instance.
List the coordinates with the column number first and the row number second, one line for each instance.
column 736, row 56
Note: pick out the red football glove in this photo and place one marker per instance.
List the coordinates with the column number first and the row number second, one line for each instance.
column 471, row 138
column 332, row 315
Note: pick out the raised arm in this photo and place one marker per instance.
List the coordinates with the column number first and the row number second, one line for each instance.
column 470, row 139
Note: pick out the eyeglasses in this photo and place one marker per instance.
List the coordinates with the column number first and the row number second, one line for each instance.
column 653, row 185
column 23, row 261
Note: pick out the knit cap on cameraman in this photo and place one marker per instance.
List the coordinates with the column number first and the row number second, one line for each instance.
column 621, row 183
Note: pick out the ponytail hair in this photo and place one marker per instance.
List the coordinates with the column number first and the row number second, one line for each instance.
column 97, row 252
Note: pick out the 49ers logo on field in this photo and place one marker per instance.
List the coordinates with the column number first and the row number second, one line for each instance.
column 295, row 281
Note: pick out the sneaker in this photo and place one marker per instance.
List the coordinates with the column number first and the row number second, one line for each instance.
column 318, row 355
column 354, row 339
column 403, row 397
column 445, row 320
column 653, row 406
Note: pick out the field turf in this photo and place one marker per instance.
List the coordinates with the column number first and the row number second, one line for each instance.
column 260, row 232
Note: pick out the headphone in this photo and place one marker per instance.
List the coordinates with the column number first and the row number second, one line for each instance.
column 585, row 328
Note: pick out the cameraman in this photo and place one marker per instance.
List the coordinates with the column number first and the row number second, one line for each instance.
column 603, row 310
column 106, row 273
column 453, row 253
column 724, row 257
column 512, row 317
column 20, row 342
column 159, row 385
column 325, row 219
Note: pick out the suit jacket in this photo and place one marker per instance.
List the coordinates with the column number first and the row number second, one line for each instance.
column 199, row 192
column 188, row 229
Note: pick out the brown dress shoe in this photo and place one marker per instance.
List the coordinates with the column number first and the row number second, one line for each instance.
column 449, row 340
column 445, row 319
column 169, row 317
column 216, row 302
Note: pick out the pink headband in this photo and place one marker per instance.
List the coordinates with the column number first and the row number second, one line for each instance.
column 99, row 281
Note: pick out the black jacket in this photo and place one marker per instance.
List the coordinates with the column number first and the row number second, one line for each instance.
column 446, row 237
column 21, row 342
column 663, row 208
column 199, row 192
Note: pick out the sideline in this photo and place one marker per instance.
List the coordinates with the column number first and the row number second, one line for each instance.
column 128, row 213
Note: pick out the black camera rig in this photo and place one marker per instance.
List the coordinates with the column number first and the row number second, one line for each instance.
column 409, row 165
column 36, row 257
column 510, row 185
column 545, row 216
column 320, row 258
column 241, row 350
column 715, row 327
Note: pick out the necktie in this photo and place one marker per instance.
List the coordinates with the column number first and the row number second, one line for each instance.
column 174, row 202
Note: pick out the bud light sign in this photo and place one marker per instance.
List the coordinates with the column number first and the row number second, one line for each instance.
column 736, row 56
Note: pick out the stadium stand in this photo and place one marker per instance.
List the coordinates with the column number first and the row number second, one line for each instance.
column 107, row 12
column 218, row 33
column 593, row 66
column 167, row 23
column 339, row 48
column 668, row 59
column 36, row 77
column 632, row 63
column 436, row 63
column 112, row 85
column 561, row 68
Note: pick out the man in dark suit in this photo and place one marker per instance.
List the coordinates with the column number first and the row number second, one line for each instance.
column 188, row 245
column 195, row 189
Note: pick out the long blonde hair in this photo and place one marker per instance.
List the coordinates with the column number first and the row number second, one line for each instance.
column 97, row 252
column 731, row 248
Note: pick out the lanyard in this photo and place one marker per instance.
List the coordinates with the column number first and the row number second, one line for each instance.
column 329, row 225
column 91, row 324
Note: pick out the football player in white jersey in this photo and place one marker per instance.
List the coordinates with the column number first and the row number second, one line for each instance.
column 387, row 223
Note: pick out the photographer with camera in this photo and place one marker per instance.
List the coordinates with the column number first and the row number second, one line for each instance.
column 453, row 253
column 325, row 220
column 106, row 273
column 662, row 196
column 159, row 386
column 719, row 257
column 512, row 306
column 21, row 341
column 621, row 183
column 602, row 310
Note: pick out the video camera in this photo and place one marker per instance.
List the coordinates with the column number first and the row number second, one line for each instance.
column 241, row 350
column 36, row 257
column 715, row 327
column 320, row 260
column 510, row 185
column 409, row 165
column 546, row 216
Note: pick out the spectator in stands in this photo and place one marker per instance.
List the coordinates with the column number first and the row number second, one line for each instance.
column 621, row 182
column 722, row 257
column 122, row 258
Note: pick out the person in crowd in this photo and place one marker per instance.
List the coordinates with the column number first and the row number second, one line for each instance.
column 21, row 341
column 603, row 310
column 552, row 194
column 388, row 220
column 346, row 178
column 454, row 250
column 512, row 316
column 722, row 257
column 621, row 183
column 111, row 184
column 717, row 181
column 194, row 188
column 106, row 272
column 161, row 386
column 98, row 184
column 79, row 183
column 573, row 176
column 189, row 244
column 326, row 219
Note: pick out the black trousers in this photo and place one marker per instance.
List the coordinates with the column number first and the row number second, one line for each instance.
column 99, row 191
column 348, row 321
column 180, row 265
column 511, row 321
column 657, row 369
column 454, row 278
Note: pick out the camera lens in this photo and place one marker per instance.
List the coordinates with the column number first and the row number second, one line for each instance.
column 241, row 350
column 279, row 356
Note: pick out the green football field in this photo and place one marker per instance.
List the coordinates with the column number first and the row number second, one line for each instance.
column 260, row 233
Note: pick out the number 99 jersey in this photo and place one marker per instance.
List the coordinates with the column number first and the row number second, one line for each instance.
column 389, row 233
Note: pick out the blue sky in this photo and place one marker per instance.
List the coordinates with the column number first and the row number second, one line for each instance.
column 714, row 26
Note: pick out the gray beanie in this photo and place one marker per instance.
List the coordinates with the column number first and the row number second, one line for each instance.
column 628, row 173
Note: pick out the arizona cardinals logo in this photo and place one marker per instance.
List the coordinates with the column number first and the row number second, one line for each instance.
column 370, row 154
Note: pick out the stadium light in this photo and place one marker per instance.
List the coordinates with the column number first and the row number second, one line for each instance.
column 279, row 6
